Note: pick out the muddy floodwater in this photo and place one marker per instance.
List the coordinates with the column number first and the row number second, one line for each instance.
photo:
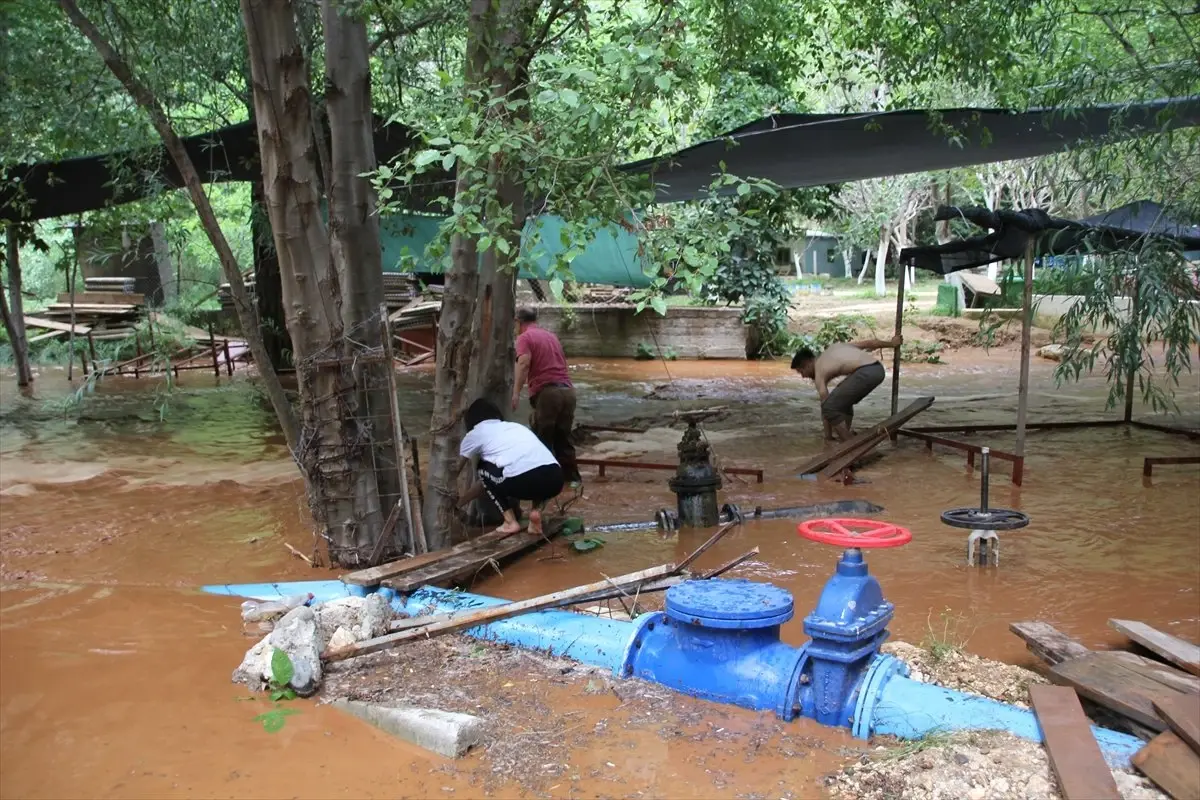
column 114, row 669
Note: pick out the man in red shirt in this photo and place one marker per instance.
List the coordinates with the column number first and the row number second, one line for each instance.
column 541, row 362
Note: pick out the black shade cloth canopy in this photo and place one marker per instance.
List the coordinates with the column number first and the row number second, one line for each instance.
column 1129, row 227
column 793, row 150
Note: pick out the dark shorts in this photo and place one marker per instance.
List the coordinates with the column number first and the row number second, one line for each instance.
column 839, row 405
column 538, row 484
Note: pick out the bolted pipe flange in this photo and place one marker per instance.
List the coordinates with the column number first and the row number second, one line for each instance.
column 666, row 520
column 731, row 513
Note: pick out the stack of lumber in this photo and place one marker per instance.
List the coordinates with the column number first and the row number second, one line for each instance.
column 1154, row 696
column 115, row 285
column 399, row 289
column 102, row 314
column 417, row 313
column 225, row 296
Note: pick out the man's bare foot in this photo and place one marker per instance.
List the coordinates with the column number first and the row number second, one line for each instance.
column 508, row 528
column 535, row 522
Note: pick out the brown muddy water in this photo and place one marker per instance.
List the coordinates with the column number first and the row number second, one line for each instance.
column 114, row 670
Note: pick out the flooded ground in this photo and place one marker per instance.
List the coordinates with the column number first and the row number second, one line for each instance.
column 114, row 671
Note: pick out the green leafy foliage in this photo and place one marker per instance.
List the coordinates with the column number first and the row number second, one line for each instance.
column 644, row 352
column 587, row 544
column 273, row 721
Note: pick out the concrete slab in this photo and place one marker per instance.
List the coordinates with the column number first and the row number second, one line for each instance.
column 446, row 733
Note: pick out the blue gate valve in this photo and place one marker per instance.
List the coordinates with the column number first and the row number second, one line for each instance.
column 849, row 623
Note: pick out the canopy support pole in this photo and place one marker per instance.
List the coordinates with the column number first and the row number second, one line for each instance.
column 901, row 270
column 1133, row 369
column 1026, row 330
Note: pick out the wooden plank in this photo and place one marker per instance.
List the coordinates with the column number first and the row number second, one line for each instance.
column 55, row 325
column 466, row 564
column 103, row 298
column 100, row 308
column 1157, row 671
column 716, row 537
column 1048, row 643
column 1182, row 715
column 1074, row 754
column 848, row 459
column 1115, row 685
column 376, row 575
column 1172, row 765
column 1171, row 648
column 43, row 336
column 483, row 616
column 980, row 284
column 887, row 426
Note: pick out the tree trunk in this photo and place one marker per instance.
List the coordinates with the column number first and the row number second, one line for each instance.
column 478, row 305
column 14, row 317
column 208, row 219
column 268, row 285
column 881, row 261
column 162, row 260
column 356, row 249
column 331, row 278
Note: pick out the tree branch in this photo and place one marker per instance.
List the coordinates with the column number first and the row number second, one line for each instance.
column 391, row 34
column 208, row 218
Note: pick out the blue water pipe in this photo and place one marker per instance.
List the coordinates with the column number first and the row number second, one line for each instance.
column 719, row 640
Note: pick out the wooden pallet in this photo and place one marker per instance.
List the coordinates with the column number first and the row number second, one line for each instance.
column 858, row 446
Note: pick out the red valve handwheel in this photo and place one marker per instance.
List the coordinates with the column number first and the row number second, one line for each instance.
column 865, row 533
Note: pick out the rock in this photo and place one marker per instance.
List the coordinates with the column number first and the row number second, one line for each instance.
column 961, row 759
column 444, row 732
column 1038, row 788
column 1053, row 352
column 296, row 634
column 364, row 617
column 977, row 793
column 1001, row 788
column 341, row 638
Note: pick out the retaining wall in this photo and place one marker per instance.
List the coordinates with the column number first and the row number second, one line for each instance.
column 612, row 331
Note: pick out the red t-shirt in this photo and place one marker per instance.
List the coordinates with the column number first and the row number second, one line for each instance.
column 547, row 364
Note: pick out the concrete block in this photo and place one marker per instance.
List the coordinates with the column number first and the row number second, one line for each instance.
column 446, row 733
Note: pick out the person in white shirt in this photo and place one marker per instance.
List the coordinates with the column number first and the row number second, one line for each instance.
column 513, row 465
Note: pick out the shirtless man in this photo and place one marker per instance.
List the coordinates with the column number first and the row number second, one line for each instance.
column 862, row 373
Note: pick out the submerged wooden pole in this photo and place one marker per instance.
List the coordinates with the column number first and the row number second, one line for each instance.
column 902, row 270
column 1026, row 331
column 1133, row 369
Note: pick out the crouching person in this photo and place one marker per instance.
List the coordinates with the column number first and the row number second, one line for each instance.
column 512, row 465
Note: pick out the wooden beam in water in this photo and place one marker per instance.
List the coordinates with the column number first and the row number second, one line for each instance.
column 890, row 424
column 1170, row 648
column 1149, row 464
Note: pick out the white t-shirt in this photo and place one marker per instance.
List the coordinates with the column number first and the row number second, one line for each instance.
column 512, row 447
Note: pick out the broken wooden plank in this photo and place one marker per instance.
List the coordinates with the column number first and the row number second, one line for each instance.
column 1170, row 648
column 494, row 614
column 1172, row 765
column 887, row 426
column 716, row 537
column 728, row 565
column 1047, row 642
column 55, row 325
column 373, row 576
column 465, row 564
column 1116, row 685
column 1076, row 758
column 1182, row 715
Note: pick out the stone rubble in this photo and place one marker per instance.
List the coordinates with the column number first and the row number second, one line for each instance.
column 304, row 633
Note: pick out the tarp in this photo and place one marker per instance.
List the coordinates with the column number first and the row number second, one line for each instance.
column 812, row 149
column 1012, row 232
column 792, row 150
column 610, row 259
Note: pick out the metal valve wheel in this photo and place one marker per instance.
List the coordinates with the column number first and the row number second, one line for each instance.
column 992, row 519
column 859, row 533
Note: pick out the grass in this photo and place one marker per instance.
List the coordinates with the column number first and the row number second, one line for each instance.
column 933, row 740
column 945, row 639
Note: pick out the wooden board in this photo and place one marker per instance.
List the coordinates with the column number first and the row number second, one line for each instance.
column 376, row 575
column 43, row 336
column 101, row 298
column 94, row 308
column 1074, row 754
column 835, row 467
column 891, row 423
column 467, row 563
column 1115, row 685
column 1162, row 673
column 480, row 616
column 1048, row 643
column 980, row 284
column 1172, row 765
column 1171, row 648
column 1182, row 715
column 54, row 325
